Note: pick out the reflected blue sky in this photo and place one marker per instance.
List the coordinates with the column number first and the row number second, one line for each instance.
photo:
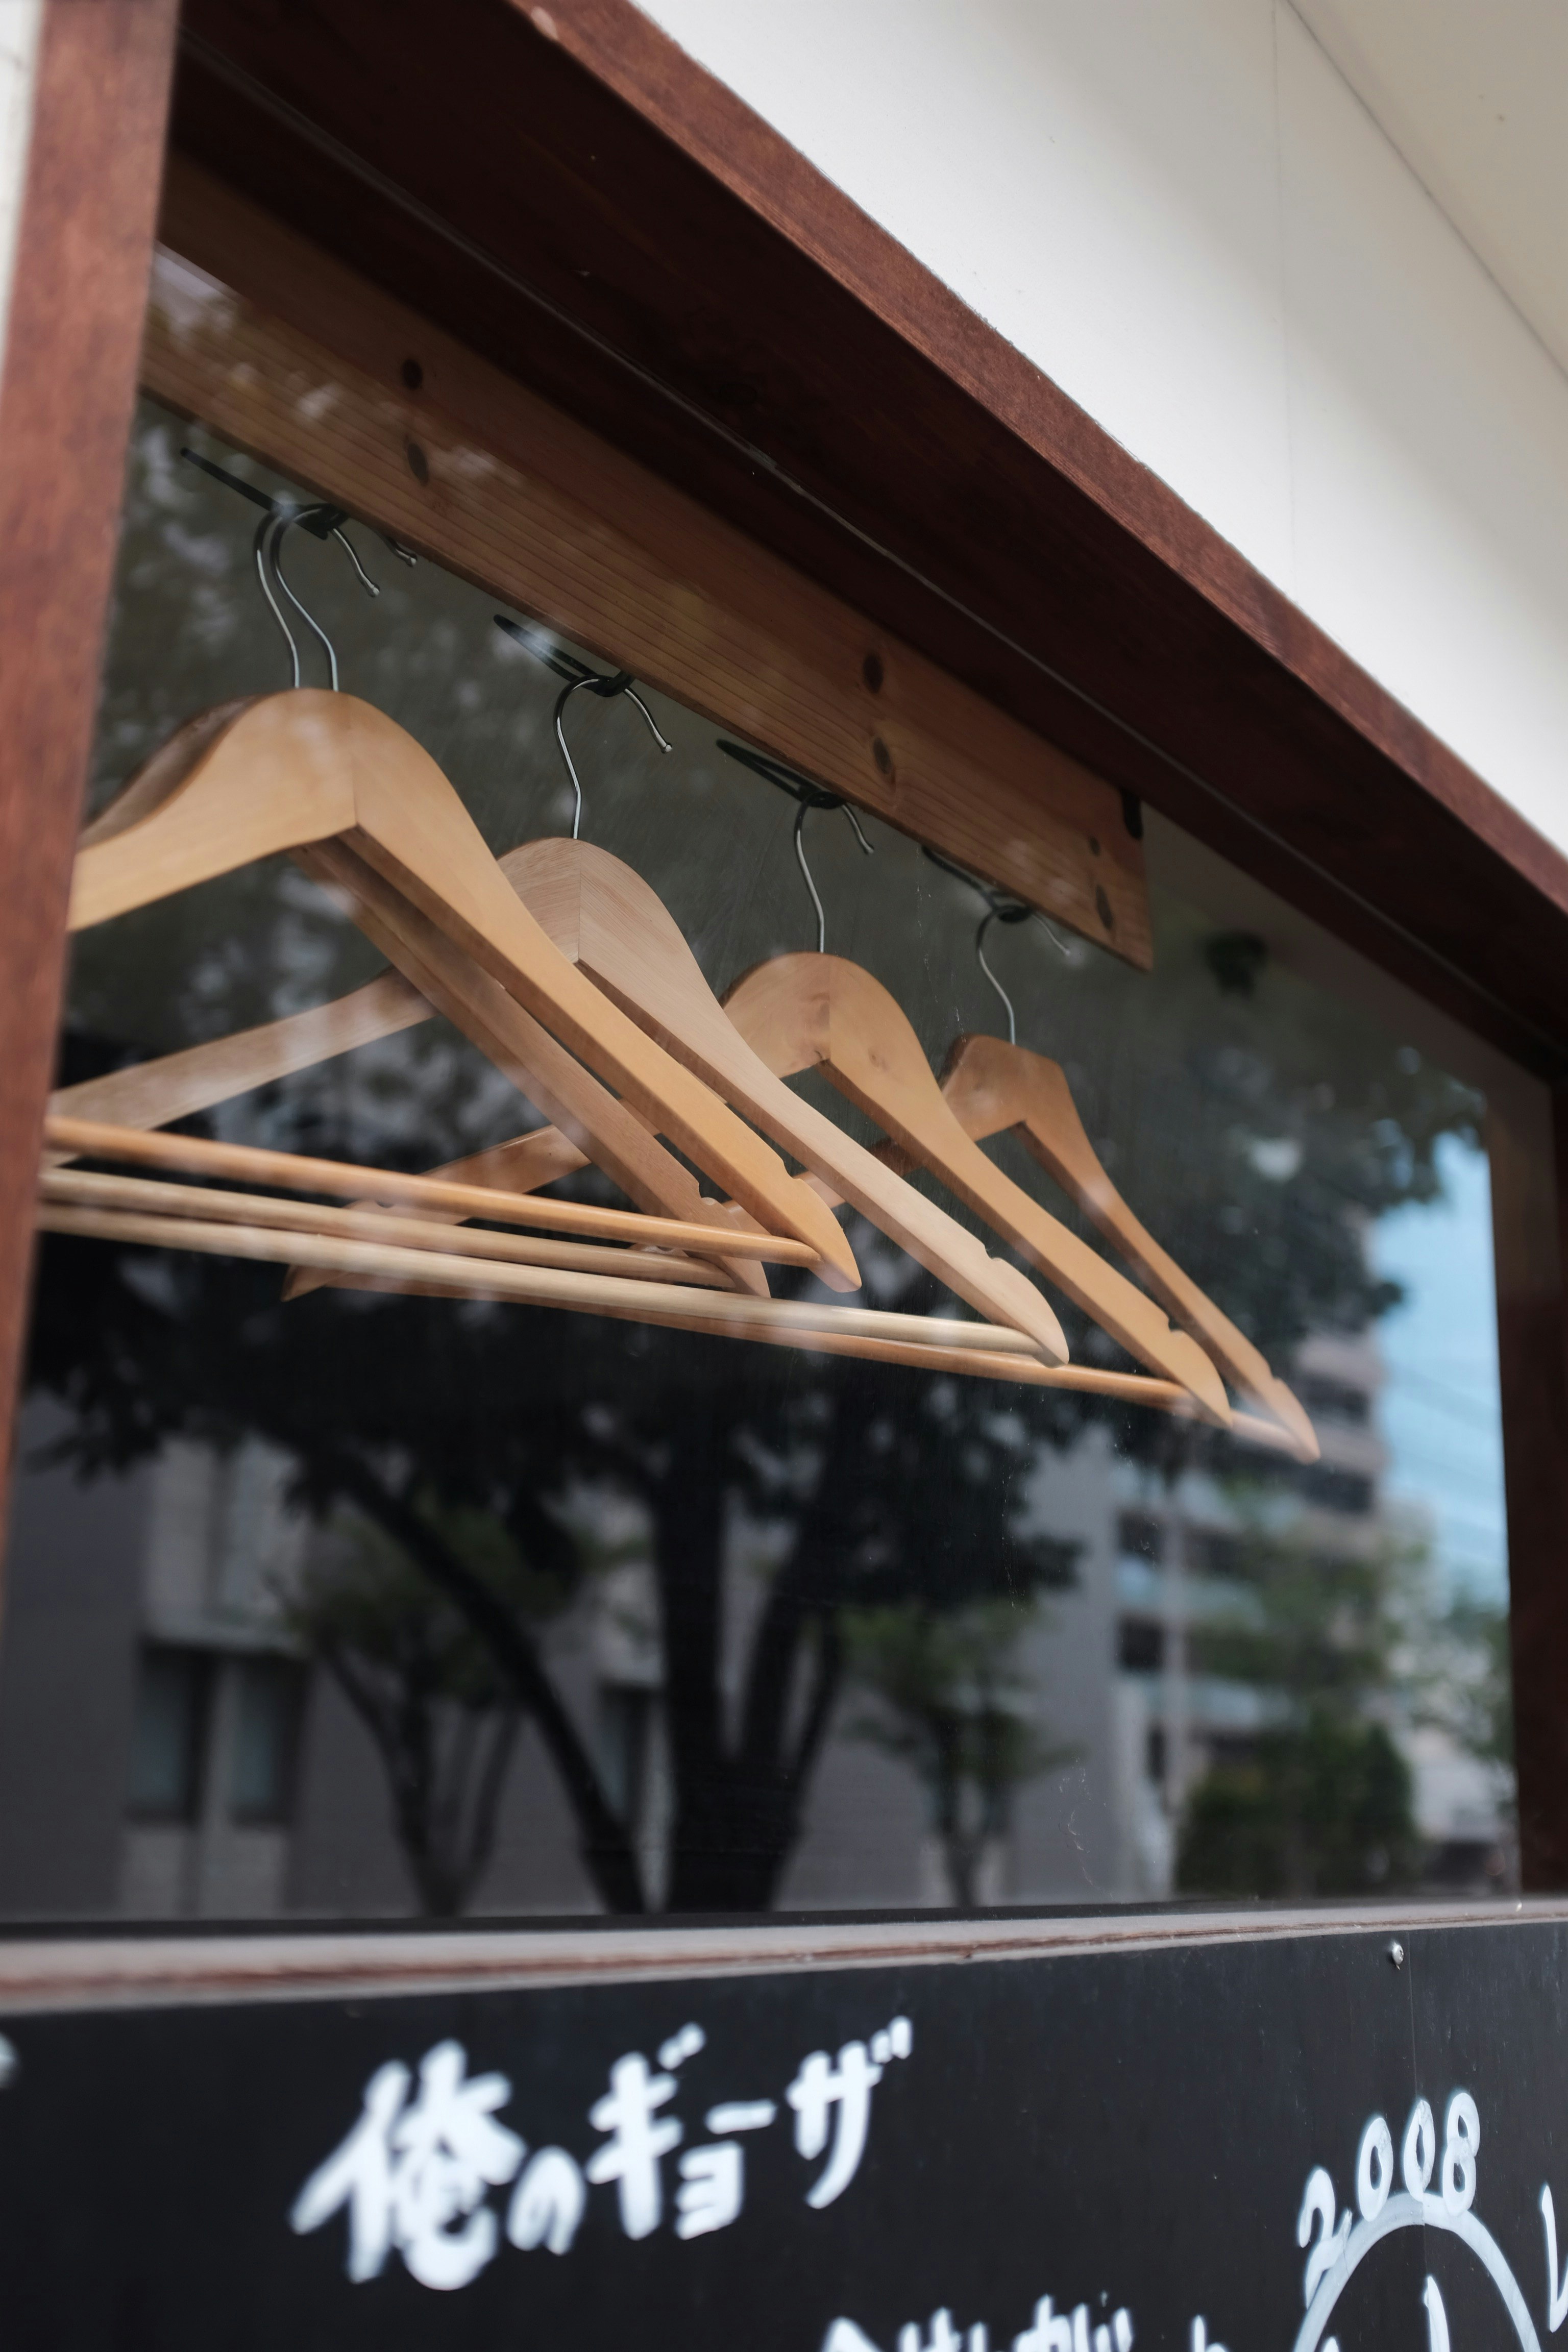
column 1441, row 1414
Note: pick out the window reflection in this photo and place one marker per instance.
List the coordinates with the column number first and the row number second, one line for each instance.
column 410, row 1604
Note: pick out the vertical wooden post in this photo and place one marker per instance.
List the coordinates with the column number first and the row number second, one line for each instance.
column 88, row 210
column 1529, row 1147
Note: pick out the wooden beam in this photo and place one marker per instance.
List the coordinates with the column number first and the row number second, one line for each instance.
column 76, row 306
column 339, row 386
column 568, row 192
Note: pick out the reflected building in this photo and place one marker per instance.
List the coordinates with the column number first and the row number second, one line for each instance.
column 167, row 1750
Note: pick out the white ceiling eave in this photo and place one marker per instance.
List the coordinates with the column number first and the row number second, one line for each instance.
column 1474, row 94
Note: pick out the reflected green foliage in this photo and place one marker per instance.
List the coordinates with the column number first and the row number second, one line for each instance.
column 424, row 1685
column 1320, row 1809
column 1477, row 1678
column 951, row 1704
column 1321, row 1805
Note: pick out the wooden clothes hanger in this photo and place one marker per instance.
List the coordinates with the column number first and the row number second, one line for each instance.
column 597, row 1123
column 306, row 769
column 813, row 1010
column 607, row 921
column 994, row 1088
column 152, row 1094
column 994, row 1084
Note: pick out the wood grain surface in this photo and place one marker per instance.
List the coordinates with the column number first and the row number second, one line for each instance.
column 307, row 371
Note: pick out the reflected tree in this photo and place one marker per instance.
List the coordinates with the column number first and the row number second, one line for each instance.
column 876, row 1491
column 950, row 1702
column 427, row 1688
column 1322, row 1804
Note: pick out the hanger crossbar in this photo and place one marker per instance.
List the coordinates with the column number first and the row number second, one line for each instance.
column 927, row 1343
column 294, row 1172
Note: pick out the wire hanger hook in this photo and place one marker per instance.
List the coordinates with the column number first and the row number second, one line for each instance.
column 999, row 915
column 807, row 796
column 325, row 521
column 278, row 517
column 999, row 909
column 280, row 527
column 621, row 683
column 802, row 813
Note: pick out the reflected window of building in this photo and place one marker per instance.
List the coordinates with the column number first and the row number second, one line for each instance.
column 268, row 1703
column 174, row 1708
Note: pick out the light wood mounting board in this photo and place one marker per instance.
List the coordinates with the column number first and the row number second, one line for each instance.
column 305, row 368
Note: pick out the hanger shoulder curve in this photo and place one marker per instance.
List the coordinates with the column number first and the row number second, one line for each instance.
column 296, row 770
column 630, row 945
column 194, row 812
column 163, row 773
column 597, row 1123
column 991, row 1087
column 863, row 1038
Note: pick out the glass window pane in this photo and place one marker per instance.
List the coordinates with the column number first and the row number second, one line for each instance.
column 600, row 1615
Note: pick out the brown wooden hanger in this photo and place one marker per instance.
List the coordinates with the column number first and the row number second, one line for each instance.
column 993, row 1086
column 306, row 769
column 812, row 1010
column 606, row 919
column 370, row 1249
column 603, row 1128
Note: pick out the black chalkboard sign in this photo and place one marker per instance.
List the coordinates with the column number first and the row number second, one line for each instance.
column 1271, row 2146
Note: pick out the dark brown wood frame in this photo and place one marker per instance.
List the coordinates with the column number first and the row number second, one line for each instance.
column 84, row 248
column 567, row 194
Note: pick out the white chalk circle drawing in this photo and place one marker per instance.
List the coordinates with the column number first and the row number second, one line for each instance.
column 1338, row 2250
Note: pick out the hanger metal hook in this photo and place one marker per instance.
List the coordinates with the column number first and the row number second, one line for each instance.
column 607, row 686
column 271, row 533
column 999, row 909
column 807, row 797
column 278, row 517
column 280, row 534
column 259, row 550
column 828, row 801
column 987, row 919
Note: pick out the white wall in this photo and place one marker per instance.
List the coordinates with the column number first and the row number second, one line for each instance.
column 1184, row 214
